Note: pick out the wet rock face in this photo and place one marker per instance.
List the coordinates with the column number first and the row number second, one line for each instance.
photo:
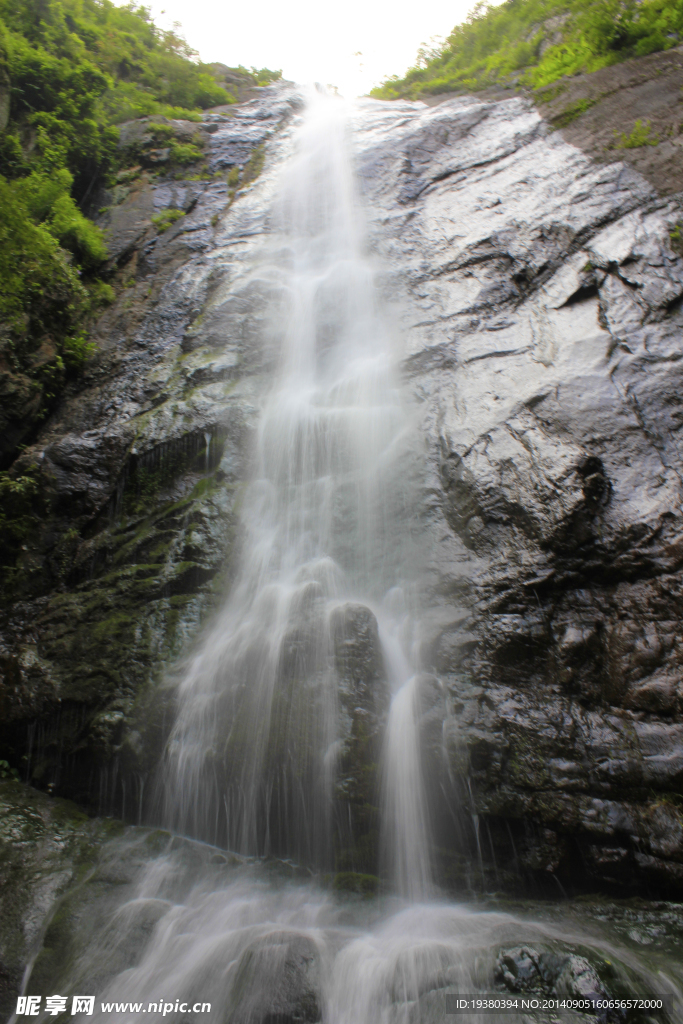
column 364, row 699
column 540, row 296
column 277, row 981
column 139, row 469
column 524, row 969
column 645, row 89
column 46, row 847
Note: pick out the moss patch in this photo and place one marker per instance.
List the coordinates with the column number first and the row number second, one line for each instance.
column 572, row 112
column 641, row 135
column 162, row 221
column 353, row 881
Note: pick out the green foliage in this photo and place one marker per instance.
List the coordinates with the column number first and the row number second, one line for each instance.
column 101, row 294
column 163, row 220
column 676, row 236
column 260, row 76
column 77, row 350
column 6, row 772
column 353, row 881
column 48, row 201
column 183, row 154
column 551, row 93
column 640, row 136
column 253, row 166
column 42, row 293
column 20, row 504
column 89, row 63
column 75, row 69
column 128, row 101
column 162, row 136
column 572, row 112
column 44, row 300
column 503, row 44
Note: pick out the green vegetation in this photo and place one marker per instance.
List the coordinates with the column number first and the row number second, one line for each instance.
column 253, row 166
column 537, row 42
column 164, row 219
column 20, row 505
column 183, row 154
column 353, row 881
column 640, row 136
column 43, row 238
column 70, row 71
column 72, row 68
column 572, row 112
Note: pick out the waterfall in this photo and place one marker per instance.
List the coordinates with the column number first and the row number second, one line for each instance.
column 303, row 700
column 253, row 759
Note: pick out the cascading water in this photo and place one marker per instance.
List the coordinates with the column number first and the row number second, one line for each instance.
column 317, row 646
column 252, row 761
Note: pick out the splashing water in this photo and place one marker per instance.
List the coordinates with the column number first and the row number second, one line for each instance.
column 261, row 949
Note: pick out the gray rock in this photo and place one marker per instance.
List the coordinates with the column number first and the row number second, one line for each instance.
column 48, row 848
column 131, row 480
column 539, row 296
column 519, row 969
column 364, row 700
column 277, row 979
column 525, row 969
column 578, row 980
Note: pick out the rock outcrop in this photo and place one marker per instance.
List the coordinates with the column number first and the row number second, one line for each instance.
column 541, row 302
column 278, row 979
column 364, row 702
column 47, row 848
column 630, row 111
column 139, row 469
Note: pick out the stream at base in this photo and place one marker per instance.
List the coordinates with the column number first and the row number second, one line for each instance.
column 263, row 947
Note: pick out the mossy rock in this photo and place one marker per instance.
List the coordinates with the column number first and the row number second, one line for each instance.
column 138, row 587
column 353, row 881
column 48, row 847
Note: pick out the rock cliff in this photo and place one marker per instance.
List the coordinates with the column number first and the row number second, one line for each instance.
column 539, row 294
column 541, row 303
column 139, row 469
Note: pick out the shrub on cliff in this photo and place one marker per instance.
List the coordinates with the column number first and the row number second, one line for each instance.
column 536, row 42
column 44, row 301
column 70, row 71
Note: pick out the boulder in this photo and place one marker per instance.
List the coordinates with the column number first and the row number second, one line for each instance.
column 277, row 981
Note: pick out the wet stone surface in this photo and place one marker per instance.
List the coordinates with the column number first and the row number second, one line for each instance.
column 141, row 467
column 540, row 301
column 133, row 913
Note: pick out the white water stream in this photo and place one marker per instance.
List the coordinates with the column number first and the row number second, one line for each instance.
column 253, row 762
column 263, row 949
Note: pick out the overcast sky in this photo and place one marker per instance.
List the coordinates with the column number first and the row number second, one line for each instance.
column 314, row 41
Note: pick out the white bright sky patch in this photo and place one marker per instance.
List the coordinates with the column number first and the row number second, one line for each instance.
column 314, row 41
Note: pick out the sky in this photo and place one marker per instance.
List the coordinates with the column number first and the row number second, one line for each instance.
column 352, row 44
